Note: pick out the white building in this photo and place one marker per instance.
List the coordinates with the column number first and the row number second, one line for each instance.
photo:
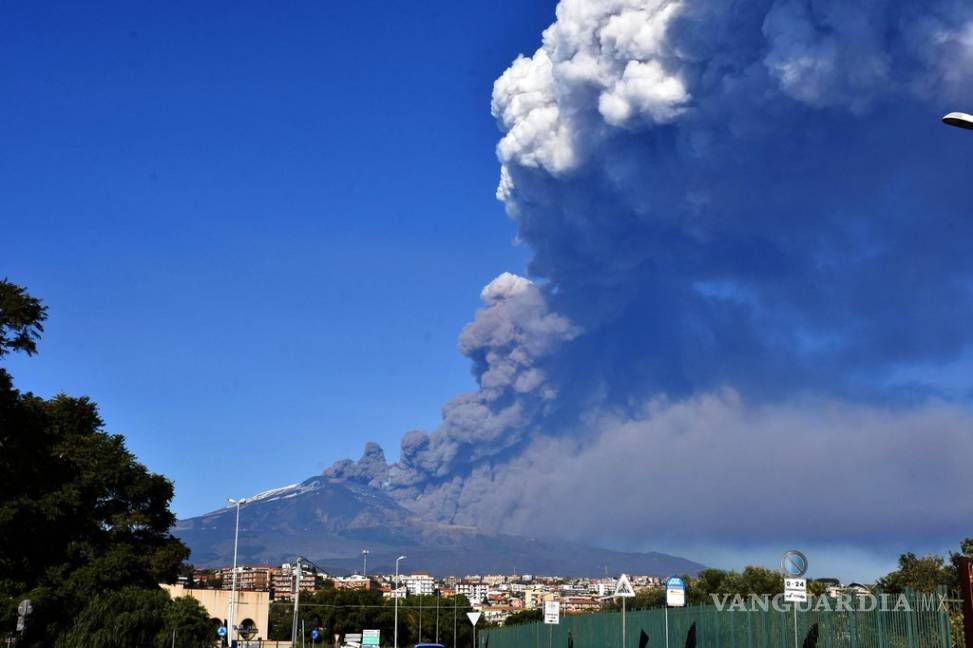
column 420, row 583
column 602, row 587
column 475, row 592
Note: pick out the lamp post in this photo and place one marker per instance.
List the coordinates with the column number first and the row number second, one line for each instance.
column 959, row 120
column 364, row 563
column 395, row 643
column 236, row 542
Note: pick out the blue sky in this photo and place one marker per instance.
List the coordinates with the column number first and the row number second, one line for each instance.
column 259, row 231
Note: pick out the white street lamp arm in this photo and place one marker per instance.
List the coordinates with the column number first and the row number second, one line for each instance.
column 959, row 120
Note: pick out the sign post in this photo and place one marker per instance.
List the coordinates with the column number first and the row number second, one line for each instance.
column 675, row 597
column 623, row 590
column 473, row 617
column 24, row 610
column 795, row 591
column 552, row 612
column 793, row 566
column 552, row 617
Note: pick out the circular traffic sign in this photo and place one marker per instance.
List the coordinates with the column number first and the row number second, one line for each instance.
column 315, row 634
column 221, row 631
column 794, row 564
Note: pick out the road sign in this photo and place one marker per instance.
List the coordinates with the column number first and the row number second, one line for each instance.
column 371, row 637
column 623, row 588
column 675, row 592
column 795, row 589
column 315, row 634
column 221, row 631
column 793, row 564
column 473, row 617
column 353, row 638
column 25, row 607
column 552, row 612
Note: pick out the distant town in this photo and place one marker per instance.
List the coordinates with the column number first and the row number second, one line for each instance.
column 497, row 596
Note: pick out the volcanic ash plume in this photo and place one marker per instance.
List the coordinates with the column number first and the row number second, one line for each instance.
column 750, row 247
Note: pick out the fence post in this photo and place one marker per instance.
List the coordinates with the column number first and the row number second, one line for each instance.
column 909, row 629
column 853, row 625
column 966, row 591
column 733, row 629
column 880, row 619
column 944, row 629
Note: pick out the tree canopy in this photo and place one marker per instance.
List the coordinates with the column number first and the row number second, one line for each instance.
column 79, row 515
column 21, row 319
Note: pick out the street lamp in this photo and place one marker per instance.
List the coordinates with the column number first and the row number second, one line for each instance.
column 236, row 542
column 364, row 565
column 959, row 120
column 396, row 595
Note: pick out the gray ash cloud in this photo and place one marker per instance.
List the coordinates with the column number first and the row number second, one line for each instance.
column 749, row 232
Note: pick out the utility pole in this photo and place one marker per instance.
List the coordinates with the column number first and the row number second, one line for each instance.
column 396, row 633
column 437, row 616
column 297, row 599
column 364, row 563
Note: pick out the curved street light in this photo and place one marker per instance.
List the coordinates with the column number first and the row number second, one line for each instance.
column 959, row 120
column 236, row 540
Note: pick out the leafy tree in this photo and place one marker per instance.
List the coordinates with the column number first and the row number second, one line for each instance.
column 699, row 590
column 190, row 622
column 140, row 617
column 920, row 573
column 21, row 319
column 525, row 616
column 344, row 611
column 79, row 516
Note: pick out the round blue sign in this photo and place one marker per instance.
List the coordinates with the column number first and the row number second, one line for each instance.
column 315, row 634
column 221, row 631
column 794, row 564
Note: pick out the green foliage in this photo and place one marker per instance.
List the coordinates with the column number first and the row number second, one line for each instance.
column 80, row 518
column 190, row 622
column 752, row 580
column 140, row 617
column 343, row 611
column 21, row 319
column 923, row 574
column 525, row 616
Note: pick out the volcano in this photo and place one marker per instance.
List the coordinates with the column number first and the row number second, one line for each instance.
column 331, row 520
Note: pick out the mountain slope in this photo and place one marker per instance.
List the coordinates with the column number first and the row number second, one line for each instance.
column 330, row 521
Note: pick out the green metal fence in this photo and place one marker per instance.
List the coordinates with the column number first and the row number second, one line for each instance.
column 918, row 622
